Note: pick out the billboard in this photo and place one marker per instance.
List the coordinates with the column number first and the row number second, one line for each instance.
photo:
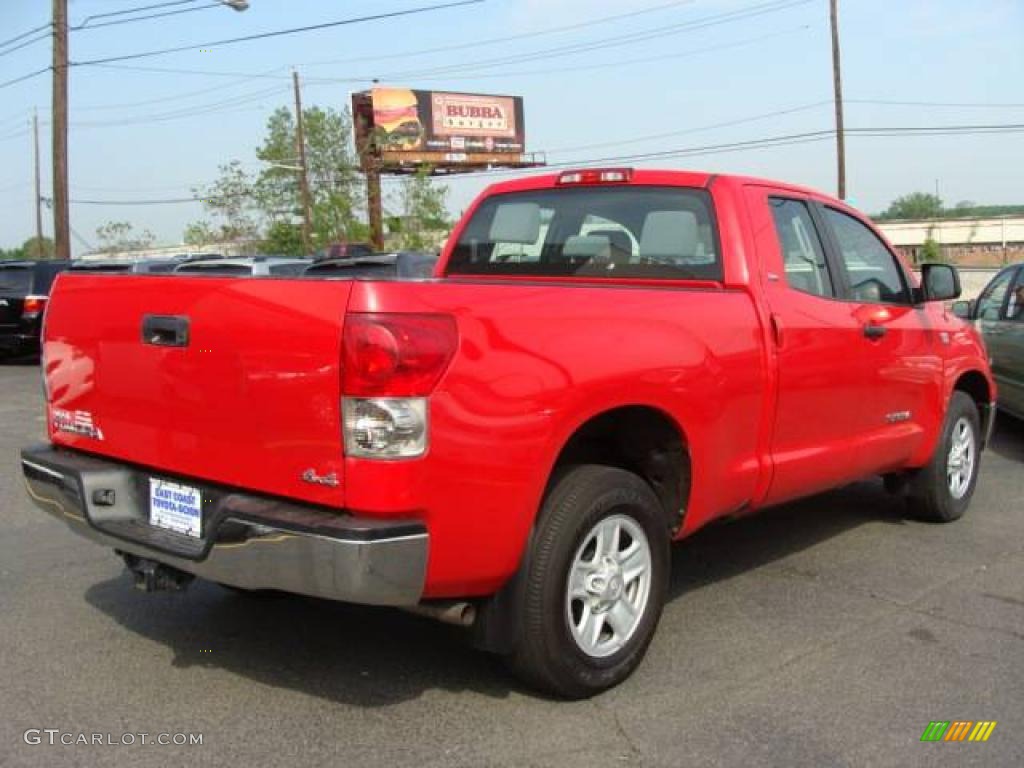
column 438, row 126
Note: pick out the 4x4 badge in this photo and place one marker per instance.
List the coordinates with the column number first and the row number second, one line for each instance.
column 310, row 476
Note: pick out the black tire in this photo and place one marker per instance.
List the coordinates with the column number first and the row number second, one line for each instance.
column 547, row 656
column 931, row 498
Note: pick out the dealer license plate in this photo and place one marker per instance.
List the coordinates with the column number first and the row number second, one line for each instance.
column 175, row 507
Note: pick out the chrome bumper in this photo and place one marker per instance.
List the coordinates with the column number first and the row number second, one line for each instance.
column 248, row 541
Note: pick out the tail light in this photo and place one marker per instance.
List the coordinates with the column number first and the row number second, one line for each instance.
column 597, row 176
column 390, row 363
column 33, row 307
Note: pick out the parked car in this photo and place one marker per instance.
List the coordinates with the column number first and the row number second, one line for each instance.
column 999, row 315
column 405, row 265
column 607, row 361
column 345, row 251
column 24, row 291
column 257, row 266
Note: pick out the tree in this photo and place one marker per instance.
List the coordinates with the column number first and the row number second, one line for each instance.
column 199, row 233
column 33, row 248
column 423, row 211
column 334, row 181
column 230, row 201
column 916, row 205
column 284, row 238
column 119, row 236
column 931, row 252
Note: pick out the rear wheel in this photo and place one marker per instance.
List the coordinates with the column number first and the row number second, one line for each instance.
column 595, row 583
column 942, row 491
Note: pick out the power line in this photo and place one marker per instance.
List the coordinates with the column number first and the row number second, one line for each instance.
column 603, row 43
column 132, row 20
column 508, row 38
column 185, row 112
column 278, row 33
column 768, row 142
column 16, row 38
column 610, row 64
column 684, row 131
column 29, row 76
column 956, row 104
column 38, row 38
column 139, row 9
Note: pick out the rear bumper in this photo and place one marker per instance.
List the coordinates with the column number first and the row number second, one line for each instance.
column 12, row 343
column 248, row 541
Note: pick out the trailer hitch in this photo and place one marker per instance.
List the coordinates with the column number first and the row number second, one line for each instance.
column 151, row 576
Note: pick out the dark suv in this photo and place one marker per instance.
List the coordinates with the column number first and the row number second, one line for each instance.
column 24, row 290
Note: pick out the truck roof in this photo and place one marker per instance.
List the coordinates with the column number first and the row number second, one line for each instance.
column 658, row 177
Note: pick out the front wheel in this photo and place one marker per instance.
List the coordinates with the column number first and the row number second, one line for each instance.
column 595, row 585
column 942, row 491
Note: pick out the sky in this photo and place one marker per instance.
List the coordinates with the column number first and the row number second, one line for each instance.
column 665, row 77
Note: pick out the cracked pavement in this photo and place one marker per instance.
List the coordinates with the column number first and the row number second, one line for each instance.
column 826, row 632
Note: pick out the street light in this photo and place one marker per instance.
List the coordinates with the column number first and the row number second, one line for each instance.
column 238, row 5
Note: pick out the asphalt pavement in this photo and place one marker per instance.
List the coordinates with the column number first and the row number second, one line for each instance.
column 827, row 632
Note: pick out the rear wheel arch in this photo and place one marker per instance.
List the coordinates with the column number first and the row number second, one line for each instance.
column 974, row 384
column 641, row 439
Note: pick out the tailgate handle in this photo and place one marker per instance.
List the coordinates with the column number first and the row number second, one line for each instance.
column 165, row 330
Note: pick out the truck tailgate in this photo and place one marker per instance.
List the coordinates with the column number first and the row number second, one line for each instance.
column 251, row 398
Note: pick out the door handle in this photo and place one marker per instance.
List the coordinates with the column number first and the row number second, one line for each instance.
column 165, row 330
column 875, row 331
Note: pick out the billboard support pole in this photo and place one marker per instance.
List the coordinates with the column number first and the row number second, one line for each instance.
column 375, row 206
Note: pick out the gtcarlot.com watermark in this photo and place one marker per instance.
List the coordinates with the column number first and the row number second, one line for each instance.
column 57, row 737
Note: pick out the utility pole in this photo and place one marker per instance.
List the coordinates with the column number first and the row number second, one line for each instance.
column 39, row 198
column 837, row 81
column 300, row 141
column 61, row 235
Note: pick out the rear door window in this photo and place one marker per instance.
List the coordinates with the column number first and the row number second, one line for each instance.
column 803, row 256
column 612, row 232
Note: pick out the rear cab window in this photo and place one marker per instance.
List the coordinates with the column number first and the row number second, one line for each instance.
column 611, row 232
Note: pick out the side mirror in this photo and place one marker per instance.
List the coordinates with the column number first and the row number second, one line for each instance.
column 963, row 309
column 939, row 282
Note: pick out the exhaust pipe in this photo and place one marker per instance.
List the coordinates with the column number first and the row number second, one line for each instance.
column 151, row 576
column 457, row 612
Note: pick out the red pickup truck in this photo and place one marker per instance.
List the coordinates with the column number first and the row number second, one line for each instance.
column 604, row 362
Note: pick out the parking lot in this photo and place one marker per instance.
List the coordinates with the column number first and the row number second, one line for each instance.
column 828, row 632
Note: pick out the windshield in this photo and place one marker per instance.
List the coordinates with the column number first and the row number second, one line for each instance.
column 613, row 232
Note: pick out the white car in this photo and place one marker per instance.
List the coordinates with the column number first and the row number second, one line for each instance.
column 257, row 266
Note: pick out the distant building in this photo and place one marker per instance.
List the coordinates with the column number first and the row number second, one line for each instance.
column 236, row 248
column 972, row 242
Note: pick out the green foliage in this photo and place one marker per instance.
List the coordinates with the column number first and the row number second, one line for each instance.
column 229, row 200
column 200, row 233
column 284, row 238
column 119, row 236
column 921, row 205
column 33, row 248
column 334, row 182
column 932, row 253
column 916, row 205
column 423, row 211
